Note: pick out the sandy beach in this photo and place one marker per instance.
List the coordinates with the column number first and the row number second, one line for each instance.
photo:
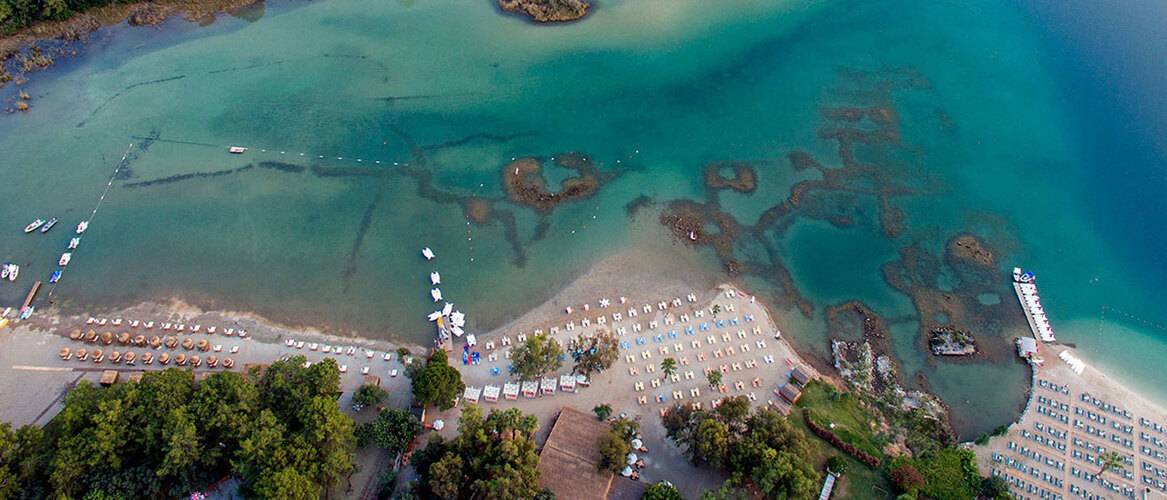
column 1070, row 421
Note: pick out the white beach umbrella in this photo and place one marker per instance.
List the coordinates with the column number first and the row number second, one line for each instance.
column 636, row 443
column 626, row 472
column 439, row 424
column 632, row 458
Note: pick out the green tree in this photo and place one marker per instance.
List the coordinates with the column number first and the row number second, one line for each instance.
column 603, row 411
column 668, row 367
column 995, row 488
column 594, row 354
column 837, row 465
column 906, row 478
column 288, row 484
column 1111, row 461
column 539, row 355
column 662, row 490
column 714, row 378
column 392, row 430
column 446, row 477
column 369, row 395
column 614, row 447
column 437, row 383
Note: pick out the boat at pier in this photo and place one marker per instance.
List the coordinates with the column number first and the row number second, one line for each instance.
column 49, row 225
column 236, row 150
column 33, row 225
column 56, row 276
column 435, row 278
column 81, row 227
column 13, row 272
column 1025, row 285
column 74, row 242
column 65, row 257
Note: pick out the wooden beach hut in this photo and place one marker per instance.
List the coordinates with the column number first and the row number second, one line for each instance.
column 800, row 376
column 790, row 393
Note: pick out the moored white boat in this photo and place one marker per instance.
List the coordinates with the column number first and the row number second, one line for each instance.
column 436, row 294
column 13, row 272
column 427, row 253
column 56, row 276
column 65, row 258
column 33, row 225
column 73, row 243
column 435, row 278
column 82, row 226
column 49, row 225
column 237, row 150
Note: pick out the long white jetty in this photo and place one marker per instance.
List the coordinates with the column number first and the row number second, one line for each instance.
column 1026, row 288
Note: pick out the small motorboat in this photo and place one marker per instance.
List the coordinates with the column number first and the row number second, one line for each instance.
column 13, row 272
column 73, row 243
column 81, row 227
column 33, row 225
column 55, row 277
column 49, row 225
column 65, row 258
column 435, row 278
column 436, row 294
column 236, row 150
column 425, row 252
column 4, row 270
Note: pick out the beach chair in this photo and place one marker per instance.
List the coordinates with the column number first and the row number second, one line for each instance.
column 745, row 348
column 684, row 318
column 678, row 395
column 625, row 345
column 700, row 356
column 672, row 334
column 715, row 403
column 634, row 371
column 734, row 322
column 675, row 378
column 522, row 337
column 642, row 400
column 757, row 330
column 621, row 331
column 757, row 382
column 739, row 385
column 639, row 386
column 730, row 308
column 654, row 382
column 646, row 354
column 710, row 340
column 630, row 358
column 696, row 344
column 751, row 397
column 617, row 317
column 664, row 349
column 689, row 375
column 676, row 302
column 748, row 317
column 632, row 312
column 689, row 331
column 698, row 314
column 725, row 337
column 717, row 354
column 694, row 392
column 670, row 320
column 737, row 367
column 641, row 341
column 704, row 327
column 636, row 328
column 730, row 351
column 650, row 368
column 660, row 398
column 761, row 344
column 684, row 361
column 691, row 298
column 723, row 368
column 768, row 359
column 741, row 334
column 506, row 341
column 678, row 348
column 696, row 405
column 653, row 324
column 601, row 320
column 646, row 308
column 658, row 338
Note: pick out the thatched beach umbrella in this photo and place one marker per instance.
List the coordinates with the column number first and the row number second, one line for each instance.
column 171, row 342
column 196, row 361
column 180, row 359
column 91, row 336
column 107, row 338
column 212, row 361
column 204, row 345
column 124, row 338
column 75, row 335
column 164, row 358
column 188, row 343
column 65, row 353
column 140, row 341
column 130, row 357
column 97, row 356
column 115, row 357
column 82, row 354
column 147, row 358
column 155, row 341
column 228, row 363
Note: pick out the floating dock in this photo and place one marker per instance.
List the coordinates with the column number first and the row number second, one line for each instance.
column 36, row 287
column 1026, row 288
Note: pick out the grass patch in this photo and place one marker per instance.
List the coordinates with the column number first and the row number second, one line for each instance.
column 852, row 422
column 860, row 481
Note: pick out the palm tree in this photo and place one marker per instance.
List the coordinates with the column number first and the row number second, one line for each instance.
column 668, row 367
column 716, row 309
column 1111, row 460
column 714, row 378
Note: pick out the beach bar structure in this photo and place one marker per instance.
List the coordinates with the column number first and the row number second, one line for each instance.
column 490, row 393
column 800, row 376
column 109, row 377
column 471, row 394
column 790, row 393
column 510, row 391
column 547, row 386
column 569, row 461
column 530, row 388
column 567, row 383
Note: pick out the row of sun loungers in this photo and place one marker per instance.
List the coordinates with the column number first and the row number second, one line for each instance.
column 131, row 358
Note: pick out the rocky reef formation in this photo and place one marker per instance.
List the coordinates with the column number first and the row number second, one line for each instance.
column 525, row 185
column 547, row 11
column 949, row 341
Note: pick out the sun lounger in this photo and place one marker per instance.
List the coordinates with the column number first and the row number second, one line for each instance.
column 653, row 324
column 654, row 382
column 736, row 367
column 639, row 386
column 650, row 368
column 748, row 317
column 642, row 400
column 678, row 395
column 700, row 356
column 684, row 361
column 739, row 385
column 730, row 351
column 634, row 371
column 678, row 348
column 684, row 318
column 664, row 349
column 741, row 334
column 717, row 354
column 694, row 392
column 689, row 375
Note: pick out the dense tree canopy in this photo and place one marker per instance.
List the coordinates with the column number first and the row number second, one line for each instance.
column 491, row 458
column 392, row 430
column 165, row 436
column 616, row 444
column 437, row 383
column 593, row 354
column 368, row 395
column 539, row 355
column 663, row 490
column 761, row 450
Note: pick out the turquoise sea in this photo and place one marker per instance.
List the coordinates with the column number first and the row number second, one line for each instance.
column 1019, row 122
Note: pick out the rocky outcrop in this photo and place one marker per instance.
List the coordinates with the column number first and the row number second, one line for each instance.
column 548, row 11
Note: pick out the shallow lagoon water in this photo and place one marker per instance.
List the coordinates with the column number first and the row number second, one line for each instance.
column 996, row 144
